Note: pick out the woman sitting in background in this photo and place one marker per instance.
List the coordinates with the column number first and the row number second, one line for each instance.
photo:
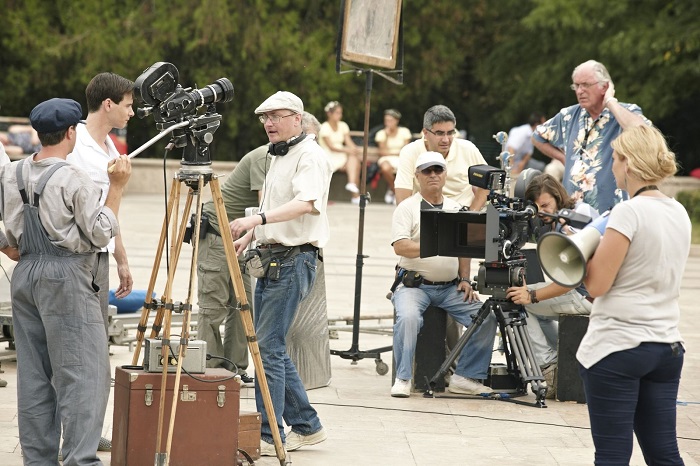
column 390, row 140
column 632, row 354
column 334, row 137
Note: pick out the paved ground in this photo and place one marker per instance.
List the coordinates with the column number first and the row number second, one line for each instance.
column 365, row 425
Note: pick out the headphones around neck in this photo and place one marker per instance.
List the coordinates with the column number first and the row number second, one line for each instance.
column 281, row 148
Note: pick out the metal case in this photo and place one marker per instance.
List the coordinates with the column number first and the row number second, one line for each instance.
column 194, row 362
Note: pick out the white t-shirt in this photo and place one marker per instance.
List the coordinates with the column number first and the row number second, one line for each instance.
column 642, row 304
column 462, row 155
column 303, row 174
column 90, row 156
column 337, row 138
column 396, row 142
column 4, row 159
column 406, row 225
column 520, row 140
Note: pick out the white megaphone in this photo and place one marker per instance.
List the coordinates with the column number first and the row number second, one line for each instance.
column 563, row 258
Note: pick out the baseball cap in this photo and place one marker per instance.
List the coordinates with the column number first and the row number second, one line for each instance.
column 281, row 100
column 429, row 159
column 55, row 115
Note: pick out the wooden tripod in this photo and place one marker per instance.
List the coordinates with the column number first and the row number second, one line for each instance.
column 195, row 180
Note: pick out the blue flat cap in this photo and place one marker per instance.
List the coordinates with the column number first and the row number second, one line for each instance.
column 55, row 115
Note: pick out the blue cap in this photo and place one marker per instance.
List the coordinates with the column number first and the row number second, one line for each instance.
column 55, row 115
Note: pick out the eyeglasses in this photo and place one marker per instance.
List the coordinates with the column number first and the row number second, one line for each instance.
column 442, row 134
column 273, row 118
column 437, row 169
column 575, row 86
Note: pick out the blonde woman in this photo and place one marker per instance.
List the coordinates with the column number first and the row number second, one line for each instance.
column 632, row 354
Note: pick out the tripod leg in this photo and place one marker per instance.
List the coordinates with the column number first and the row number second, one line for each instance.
column 483, row 313
column 184, row 337
column 162, row 457
column 522, row 350
column 143, row 323
column 246, row 316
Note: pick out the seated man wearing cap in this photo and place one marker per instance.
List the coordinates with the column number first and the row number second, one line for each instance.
column 52, row 212
column 290, row 228
column 444, row 284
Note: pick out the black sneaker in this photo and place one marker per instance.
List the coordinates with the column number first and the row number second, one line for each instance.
column 247, row 381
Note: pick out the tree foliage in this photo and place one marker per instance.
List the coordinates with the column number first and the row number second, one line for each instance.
column 492, row 62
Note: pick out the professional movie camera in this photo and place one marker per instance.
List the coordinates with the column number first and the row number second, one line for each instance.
column 496, row 236
column 175, row 109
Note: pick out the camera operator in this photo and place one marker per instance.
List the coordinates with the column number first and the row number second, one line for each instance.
column 290, row 228
column 52, row 211
column 442, row 282
column 632, row 354
column 546, row 300
column 109, row 100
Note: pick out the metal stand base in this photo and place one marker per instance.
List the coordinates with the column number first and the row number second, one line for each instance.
column 520, row 360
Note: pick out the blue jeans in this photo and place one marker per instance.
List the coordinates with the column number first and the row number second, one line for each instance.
column 276, row 304
column 411, row 303
column 634, row 391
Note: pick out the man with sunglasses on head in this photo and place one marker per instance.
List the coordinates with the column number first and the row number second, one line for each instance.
column 440, row 135
column 434, row 281
column 579, row 136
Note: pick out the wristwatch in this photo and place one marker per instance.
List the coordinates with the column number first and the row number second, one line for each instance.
column 533, row 296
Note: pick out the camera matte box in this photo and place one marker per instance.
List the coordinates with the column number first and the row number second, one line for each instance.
column 206, row 420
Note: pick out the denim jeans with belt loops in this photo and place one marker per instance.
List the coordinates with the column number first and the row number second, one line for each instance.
column 276, row 304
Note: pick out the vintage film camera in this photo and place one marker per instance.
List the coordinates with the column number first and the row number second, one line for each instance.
column 496, row 236
column 172, row 105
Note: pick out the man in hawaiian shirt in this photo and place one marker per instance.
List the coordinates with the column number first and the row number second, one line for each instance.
column 579, row 136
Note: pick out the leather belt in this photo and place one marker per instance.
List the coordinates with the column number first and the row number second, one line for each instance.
column 589, row 299
column 302, row 248
column 273, row 246
column 451, row 282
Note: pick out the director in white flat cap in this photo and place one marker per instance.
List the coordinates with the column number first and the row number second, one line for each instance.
column 291, row 227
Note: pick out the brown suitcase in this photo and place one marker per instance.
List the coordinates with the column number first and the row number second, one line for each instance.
column 206, row 427
column 249, row 433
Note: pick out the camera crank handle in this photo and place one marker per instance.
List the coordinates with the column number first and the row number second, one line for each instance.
column 153, row 140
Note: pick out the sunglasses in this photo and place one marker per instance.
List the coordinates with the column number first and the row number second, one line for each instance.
column 437, row 169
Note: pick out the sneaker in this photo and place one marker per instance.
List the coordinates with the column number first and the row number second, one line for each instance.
column 466, row 386
column 401, row 388
column 296, row 440
column 389, row 197
column 550, row 376
column 355, row 200
column 352, row 187
column 268, row 449
column 247, row 381
column 104, row 445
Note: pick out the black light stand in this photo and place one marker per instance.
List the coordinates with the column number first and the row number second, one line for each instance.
column 354, row 353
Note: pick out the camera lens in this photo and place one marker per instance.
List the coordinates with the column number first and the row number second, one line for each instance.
column 220, row 91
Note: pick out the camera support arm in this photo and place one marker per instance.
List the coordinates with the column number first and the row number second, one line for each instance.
column 154, row 139
column 570, row 217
